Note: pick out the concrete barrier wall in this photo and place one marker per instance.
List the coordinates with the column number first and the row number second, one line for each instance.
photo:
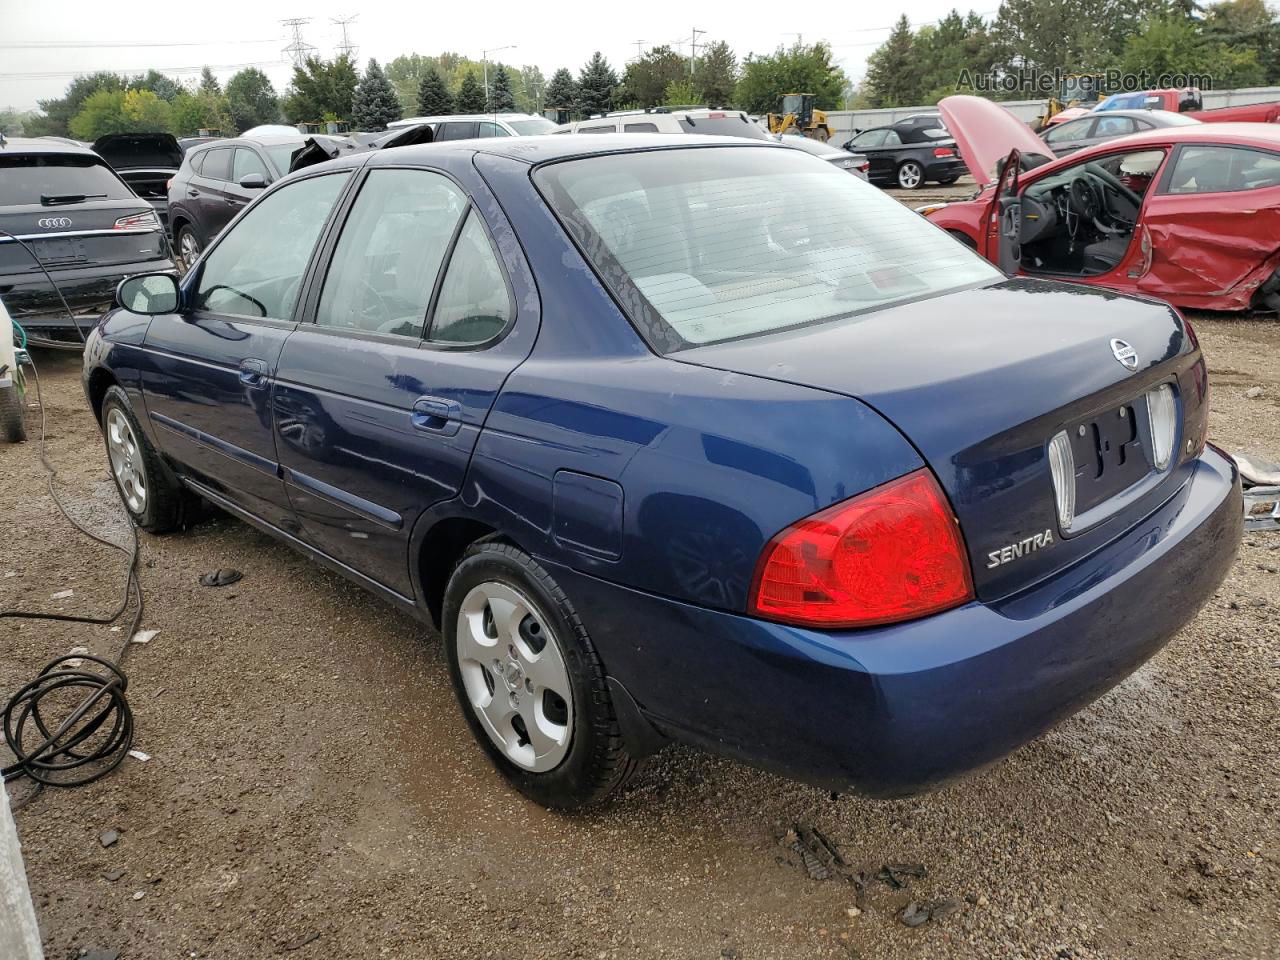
column 19, row 936
column 845, row 122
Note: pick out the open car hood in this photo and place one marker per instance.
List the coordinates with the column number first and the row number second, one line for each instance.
column 986, row 133
column 318, row 149
column 132, row 151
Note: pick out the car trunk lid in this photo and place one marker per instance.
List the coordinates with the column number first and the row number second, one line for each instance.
column 986, row 133
column 981, row 381
column 139, row 151
column 71, row 235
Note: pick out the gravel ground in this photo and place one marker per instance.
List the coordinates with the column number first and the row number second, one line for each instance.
column 313, row 791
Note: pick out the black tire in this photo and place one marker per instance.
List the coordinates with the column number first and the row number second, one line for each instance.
column 168, row 503
column 13, row 420
column 598, row 761
column 187, row 235
column 948, row 181
column 910, row 175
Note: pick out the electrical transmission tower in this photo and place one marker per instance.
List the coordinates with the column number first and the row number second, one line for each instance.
column 346, row 48
column 298, row 49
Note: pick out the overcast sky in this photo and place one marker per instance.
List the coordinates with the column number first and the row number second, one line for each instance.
column 44, row 43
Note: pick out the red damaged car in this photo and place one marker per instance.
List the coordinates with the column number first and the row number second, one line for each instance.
column 1189, row 214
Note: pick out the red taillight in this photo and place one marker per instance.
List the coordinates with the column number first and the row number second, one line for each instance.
column 943, row 152
column 893, row 553
column 168, row 184
column 864, row 167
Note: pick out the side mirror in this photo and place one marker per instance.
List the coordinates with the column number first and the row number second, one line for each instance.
column 149, row 294
column 253, row 181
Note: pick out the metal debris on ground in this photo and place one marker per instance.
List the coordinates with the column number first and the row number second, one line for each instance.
column 821, row 859
column 220, row 578
column 143, row 636
column 915, row 914
column 896, row 874
column 1261, row 481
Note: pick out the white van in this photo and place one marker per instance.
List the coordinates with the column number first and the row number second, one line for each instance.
column 725, row 123
column 467, row 126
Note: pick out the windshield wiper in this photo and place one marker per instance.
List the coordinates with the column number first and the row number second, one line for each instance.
column 53, row 199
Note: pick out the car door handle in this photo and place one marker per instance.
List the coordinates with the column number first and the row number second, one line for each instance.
column 436, row 416
column 193, row 193
column 235, row 201
column 253, row 373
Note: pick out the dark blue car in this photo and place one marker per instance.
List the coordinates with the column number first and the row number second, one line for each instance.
column 684, row 438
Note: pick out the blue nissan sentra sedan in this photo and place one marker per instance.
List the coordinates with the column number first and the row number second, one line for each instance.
column 684, row 438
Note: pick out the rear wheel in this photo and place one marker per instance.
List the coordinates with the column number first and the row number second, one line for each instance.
column 156, row 500
column 188, row 245
column 947, row 181
column 13, row 421
column 529, row 680
column 910, row 175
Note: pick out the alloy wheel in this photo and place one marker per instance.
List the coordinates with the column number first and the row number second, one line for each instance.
column 514, row 676
column 910, row 175
column 126, row 461
column 188, row 247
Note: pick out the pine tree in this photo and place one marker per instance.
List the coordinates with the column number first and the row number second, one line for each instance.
column 374, row 103
column 562, row 92
column 434, row 99
column 470, row 94
column 716, row 75
column 596, row 85
column 892, row 78
column 209, row 82
column 501, row 99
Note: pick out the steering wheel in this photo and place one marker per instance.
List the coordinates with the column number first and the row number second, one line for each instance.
column 239, row 293
column 1085, row 198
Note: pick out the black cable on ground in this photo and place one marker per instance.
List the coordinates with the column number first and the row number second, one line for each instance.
column 94, row 737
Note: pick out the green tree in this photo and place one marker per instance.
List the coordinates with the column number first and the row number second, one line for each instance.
column 192, row 112
column 320, row 89
column 680, row 93
column 562, row 91
column 1173, row 44
column 716, row 75
column 163, row 87
column 647, row 78
column 251, row 100
column 800, row 69
column 501, row 99
column 434, row 98
column 892, row 78
column 374, row 103
column 406, row 73
column 1047, row 35
column 118, row 111
column 597, row 84
column 57, row 113
column 1247, row 25
column 13, row 123
column 470, row 98
column 534, row 86
column 209, row 83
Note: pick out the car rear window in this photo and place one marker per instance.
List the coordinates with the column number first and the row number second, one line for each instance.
column 714, row 244
column 26, row 177
column 725, row 125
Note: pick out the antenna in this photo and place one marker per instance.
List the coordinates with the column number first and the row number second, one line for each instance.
column 346, row 47
column 298, row 49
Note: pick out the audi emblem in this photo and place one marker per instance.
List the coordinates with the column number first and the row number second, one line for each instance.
column 53, row 223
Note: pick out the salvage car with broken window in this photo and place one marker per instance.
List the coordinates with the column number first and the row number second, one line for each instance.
column 810, row 485
column 1190, row 214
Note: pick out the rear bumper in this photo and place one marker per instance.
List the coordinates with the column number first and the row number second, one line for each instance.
column 88, row 291
column 945, row 169
column 901, row 709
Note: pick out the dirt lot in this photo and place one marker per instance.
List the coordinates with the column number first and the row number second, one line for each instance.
column 313, row 791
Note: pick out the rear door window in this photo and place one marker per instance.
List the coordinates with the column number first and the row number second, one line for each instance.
column 490, row 129
column 1222, row 169
column 474, row 304
column 599, row 128
column 1114, row 127
column 1069, row 132
column 217, row 164
column 26, row 178
column 456, row 130
column 255, row 270
column 869, row 138
column 385, row 265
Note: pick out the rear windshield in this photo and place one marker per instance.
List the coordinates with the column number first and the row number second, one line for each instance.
column 531, row 128
column 25, row 178
column 713, row 244
column 729, row 125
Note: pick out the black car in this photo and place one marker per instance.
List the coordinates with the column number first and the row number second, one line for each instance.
column 1094, row 128
column 63, row 204
column 146, row 162
column 908, row 155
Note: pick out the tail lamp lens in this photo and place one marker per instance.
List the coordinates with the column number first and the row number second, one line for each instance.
column 943, row 152
column 146, row 221
column 893, row 553
column 1062, row 467
column 1163, row 411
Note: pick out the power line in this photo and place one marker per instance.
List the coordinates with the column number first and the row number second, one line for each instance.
column 112, row 44
column 298, row 49
column 130, row 71
column 346, row 48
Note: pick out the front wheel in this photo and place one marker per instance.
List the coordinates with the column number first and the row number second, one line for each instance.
column 154, row 497
column 910, row 175
column 188, row 245
column 529, row 680
column 13, row 421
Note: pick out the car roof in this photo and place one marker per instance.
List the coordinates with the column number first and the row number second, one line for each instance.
column 42, row 145
column 1265, row 135
column 504, row 115
column 1137, row 114
column 551, row 147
